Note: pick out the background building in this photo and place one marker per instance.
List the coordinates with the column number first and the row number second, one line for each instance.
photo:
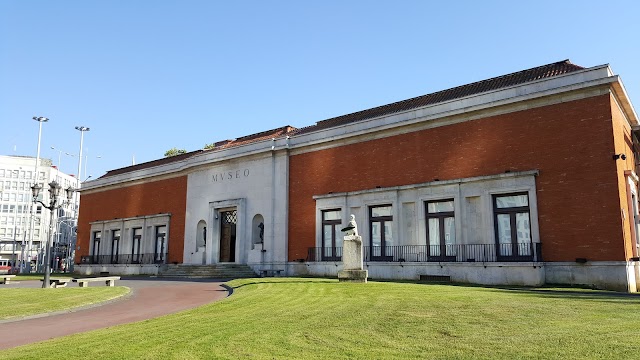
column 17, row 175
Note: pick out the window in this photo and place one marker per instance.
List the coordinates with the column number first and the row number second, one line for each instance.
column 96, row 246
column 14, row 174
column 380, row 228
column 161, row 234
column 331, row 239
column 441, row 230
column 29, row 175
column 1, row 172
column 14, row 185
column 41, row 175
column 115, row 245
column 39, row 209
column 5, row 196
column 135, row 247
column 513, row 227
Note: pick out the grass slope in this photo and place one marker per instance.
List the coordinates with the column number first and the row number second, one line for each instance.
column 24, row 302
column 297, row 318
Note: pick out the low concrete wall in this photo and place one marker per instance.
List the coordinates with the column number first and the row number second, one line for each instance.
column 117, row 269
column 608, row 275
column 525, row 274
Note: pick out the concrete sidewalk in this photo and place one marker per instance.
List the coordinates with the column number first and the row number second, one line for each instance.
column 151, row 297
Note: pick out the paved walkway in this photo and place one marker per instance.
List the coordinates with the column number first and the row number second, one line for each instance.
column 151, row 297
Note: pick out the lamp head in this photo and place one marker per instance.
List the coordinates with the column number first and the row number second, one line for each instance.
column 54, row 189
column 70, row 190
column 35, row 191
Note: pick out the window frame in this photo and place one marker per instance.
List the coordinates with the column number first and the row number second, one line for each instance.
column 115, row 245
column 334, row 224
column 382, row 220
column 95, row 252
column 158, row 256
column 135, row 240
column 512, row 212
column 441, row 217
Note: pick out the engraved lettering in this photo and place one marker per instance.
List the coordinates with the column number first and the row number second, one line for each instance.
column 230, row 175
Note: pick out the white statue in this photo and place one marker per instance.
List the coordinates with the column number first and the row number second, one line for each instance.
column 352, row 227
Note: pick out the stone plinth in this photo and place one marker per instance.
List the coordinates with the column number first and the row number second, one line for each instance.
column 352, row 265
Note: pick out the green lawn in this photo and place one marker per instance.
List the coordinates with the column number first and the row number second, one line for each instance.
column 24, row 302
column 299, row 318
column 39, row 276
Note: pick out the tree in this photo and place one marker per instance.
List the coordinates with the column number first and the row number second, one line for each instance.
column 174, row 152
column 209, row 146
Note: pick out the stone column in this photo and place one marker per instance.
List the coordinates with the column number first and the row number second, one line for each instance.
column 352, row 265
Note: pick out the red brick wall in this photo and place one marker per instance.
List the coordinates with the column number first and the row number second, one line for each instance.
column 570, row 143
column 162, row 196
column 624, row 145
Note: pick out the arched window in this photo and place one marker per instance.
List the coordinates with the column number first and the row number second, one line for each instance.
column 257, row 230
column 201, row 235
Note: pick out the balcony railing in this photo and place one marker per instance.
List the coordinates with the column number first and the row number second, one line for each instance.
column 520, row 252
column 125, row 259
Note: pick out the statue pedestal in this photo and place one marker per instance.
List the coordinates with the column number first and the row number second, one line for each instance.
column 352, row 269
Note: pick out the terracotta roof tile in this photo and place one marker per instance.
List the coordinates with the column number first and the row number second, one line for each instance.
column 500, row 82
column 264, row 135
column 148, row 164
column 520, row 77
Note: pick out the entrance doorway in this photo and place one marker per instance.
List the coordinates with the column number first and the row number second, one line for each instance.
column 228, row 221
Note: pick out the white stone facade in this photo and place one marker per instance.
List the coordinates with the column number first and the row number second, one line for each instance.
column 256, row 188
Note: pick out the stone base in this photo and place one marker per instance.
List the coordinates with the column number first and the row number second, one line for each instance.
column 358, row 276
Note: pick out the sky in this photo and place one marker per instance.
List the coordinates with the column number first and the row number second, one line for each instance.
column 146, row 76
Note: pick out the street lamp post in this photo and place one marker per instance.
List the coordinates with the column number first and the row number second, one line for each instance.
column 82, row 130
column 54, row 192
column 40, row 120
column 60, row 157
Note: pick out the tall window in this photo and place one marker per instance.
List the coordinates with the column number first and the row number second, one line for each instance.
column 331, row 239
column 380, row 228
column 161, row 235
column 115, row 245
column 135, row 245
column 96, row 245
column 441, row 230
column 513, row 227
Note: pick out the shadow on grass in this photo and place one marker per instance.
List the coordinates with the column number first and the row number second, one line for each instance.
column 292, row 281
column 551, row 291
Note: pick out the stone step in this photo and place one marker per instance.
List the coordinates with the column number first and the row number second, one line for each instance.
column 220, row 271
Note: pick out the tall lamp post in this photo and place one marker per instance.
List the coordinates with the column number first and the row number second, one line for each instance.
column 40, row 120
column 54, row 192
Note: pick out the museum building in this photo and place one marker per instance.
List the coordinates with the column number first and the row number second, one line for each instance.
column 524, row 179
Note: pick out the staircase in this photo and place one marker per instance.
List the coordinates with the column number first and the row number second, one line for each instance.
column 219, row 271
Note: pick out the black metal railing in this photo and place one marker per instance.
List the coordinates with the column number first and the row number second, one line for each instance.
column 520, row 252
column 125, row 259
